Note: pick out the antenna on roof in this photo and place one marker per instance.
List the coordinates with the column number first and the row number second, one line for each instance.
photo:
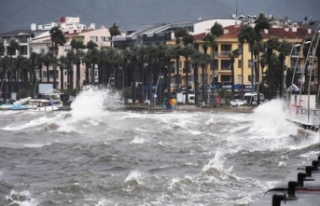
column 236, row 9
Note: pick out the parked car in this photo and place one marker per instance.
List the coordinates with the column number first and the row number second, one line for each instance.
column 237, row 102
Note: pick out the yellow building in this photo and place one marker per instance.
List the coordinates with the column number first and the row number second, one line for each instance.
column 228, row 42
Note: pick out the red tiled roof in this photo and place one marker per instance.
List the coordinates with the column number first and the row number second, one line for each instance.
column 199, row 36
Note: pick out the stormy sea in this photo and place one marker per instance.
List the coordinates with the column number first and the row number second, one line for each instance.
column 95, row 156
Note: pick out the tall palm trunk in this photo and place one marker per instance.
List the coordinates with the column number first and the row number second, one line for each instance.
column 133, row 84
column 143, row 82
column 252, row 70
column 149, row 80
column 177, row 74
column 187, row 80
column 242, row 71
column 281, row 58
column 232, row 76
column 204, row 67
column 48, row 76
column 61, row 79
column 196, row 84
column 213, row 79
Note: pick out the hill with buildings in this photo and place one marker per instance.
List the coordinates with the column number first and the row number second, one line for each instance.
column 16, row 14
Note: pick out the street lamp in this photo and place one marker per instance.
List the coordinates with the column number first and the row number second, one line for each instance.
column 155, row 93
column 253, row 82
column 122, row 77
column 212, row 89
column 35, row 85
column 78, row 87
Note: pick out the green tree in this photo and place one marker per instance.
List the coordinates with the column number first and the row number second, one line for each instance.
column 57, row 38
column 62, row 65
column 69, row 62
column 216, row 30
column 114, row 31
column 284, row 50
column 5, row 66
column 234, row 54
column 47, row 59
column 187, row 51
column 13, row 47
column 198, row 59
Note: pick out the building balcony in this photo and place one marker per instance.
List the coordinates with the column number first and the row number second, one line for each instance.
column 222, row 53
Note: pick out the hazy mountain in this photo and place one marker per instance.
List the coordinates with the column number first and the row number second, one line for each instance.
column 19, row 14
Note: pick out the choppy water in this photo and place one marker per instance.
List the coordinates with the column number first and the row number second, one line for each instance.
column 94, row 157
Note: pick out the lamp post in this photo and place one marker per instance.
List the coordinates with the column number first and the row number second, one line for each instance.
column 155, row 93
column 253, row 83
column 122, row 77
column 78, row 87
column 34, row 89
column 212, row 89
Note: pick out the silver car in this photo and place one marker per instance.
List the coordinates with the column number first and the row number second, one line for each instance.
column 237, row 102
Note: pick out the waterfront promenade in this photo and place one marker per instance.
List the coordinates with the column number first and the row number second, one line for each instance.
column 180, row 108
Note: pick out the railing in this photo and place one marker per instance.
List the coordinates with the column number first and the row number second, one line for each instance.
column 222, row 53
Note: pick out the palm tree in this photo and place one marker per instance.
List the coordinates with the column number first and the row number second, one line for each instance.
column 92, row 55
column 150, row 56
column 251, row 36
column 87, row 61
column 5, row 65
column 216, row 30
column 187, row 51
column 198, row 59
column 1, row 48
column 140, row 52
column 57, row 38
column 13, row 47
column 234, row 54
column 26, row 66
column 176, row 52
column 69, row 61
column 62, row 66
column 77, row 60
column 77, row 45
column 271, row 44
column 39, row 65
column 284, row 50
column 47, row 59
column 169, row 54
column 33, row 64
column 178, row 34
column 261, row 23
column 114, row 31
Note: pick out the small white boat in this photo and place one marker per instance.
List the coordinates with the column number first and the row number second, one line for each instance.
column 44, row 105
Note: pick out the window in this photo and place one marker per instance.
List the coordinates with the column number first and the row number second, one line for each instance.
column 105, row 38
column 67, row 49
column 226, row 48
column 51, row 74
column 215, row 64
column 23, row 50
column 239, row 79
column 225, row 78
column 65, row 72
column 249, row 78
column 44, row 74
column 94, row 38
column 42, row 51
column 225, row 65
column 239, row 63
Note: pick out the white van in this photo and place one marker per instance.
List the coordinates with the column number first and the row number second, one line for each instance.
column 181, row 98
column 251, row 98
